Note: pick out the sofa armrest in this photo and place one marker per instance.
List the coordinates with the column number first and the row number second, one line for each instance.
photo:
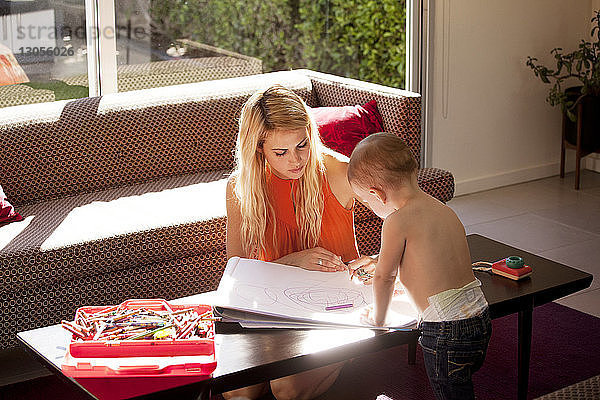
column 400, row 109
column 437, row 182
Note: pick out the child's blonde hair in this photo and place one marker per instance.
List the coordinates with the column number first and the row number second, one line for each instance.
column 276, row 108
column 381, row 161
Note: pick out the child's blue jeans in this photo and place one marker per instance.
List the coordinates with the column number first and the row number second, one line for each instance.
column 453, row 351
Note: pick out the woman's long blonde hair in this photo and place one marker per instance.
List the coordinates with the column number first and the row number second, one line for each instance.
column 276, row 108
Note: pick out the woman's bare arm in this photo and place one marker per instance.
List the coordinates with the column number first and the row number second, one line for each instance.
column 317, row 258
column 336, row 169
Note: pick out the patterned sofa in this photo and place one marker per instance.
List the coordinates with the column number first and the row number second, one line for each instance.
column 123, row 195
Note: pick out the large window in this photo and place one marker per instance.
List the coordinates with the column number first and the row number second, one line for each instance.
column 42, row 45
column 136, row 44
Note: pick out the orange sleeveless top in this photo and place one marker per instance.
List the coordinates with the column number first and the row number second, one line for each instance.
column 337, row 225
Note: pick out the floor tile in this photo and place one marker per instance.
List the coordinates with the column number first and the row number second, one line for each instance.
column 547, row 217
column 583, row 214
column 593, row 192
column 476, row 208
column 588, row 302
column 584, row 256
column 588, row 179
column 532, row 196
column 531, row 233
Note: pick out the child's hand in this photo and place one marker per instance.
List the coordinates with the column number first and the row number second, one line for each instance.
column 361, row 276
column 365, row 264
column 366, row 315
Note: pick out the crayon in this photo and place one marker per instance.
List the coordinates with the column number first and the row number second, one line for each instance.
column 339, row 306
column 121, row 323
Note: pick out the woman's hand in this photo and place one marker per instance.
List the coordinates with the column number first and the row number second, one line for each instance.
column 315, row 259
column 367, row 263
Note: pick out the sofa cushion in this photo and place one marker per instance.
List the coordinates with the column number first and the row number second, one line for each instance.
column 437, row 182
column 400, row 109
column 341, row 128
column 95, row 233
column 7, row 211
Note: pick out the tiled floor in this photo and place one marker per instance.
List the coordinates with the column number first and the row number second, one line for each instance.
column 546, row 217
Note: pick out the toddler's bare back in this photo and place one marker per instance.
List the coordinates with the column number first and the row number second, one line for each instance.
column 436, row 255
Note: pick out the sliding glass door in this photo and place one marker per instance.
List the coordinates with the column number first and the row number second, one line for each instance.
column 74, row 48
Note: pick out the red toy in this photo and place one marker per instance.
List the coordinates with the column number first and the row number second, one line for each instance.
column 512, row 267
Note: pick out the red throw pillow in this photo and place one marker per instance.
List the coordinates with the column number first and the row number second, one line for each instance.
column 7, row 212
column 341, row 128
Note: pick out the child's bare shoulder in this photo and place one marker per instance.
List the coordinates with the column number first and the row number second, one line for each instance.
column 423, row 210
column 434, row 212
column 416, row 208
column 396, row 220
column 401, row 220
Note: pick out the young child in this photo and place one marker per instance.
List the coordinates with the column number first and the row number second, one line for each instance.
column 424, row 243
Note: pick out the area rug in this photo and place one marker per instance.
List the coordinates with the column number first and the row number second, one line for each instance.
column 565, row 350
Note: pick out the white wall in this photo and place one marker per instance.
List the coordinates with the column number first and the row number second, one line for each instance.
column 488, row 120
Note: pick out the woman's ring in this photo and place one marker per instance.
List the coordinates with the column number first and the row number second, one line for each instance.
column 320, row 262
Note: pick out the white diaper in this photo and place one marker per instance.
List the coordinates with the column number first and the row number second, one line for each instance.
column 455, row 304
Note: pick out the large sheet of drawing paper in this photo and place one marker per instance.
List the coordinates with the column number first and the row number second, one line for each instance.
column 279, row 290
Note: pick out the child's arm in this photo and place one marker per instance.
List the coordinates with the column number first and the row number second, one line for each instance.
column 392, row 249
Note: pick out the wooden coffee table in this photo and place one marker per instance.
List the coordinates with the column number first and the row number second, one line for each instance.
column 246, row 357
column 549, row 281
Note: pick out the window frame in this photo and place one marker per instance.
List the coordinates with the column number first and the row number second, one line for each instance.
column 101, row 46
column 102, row 54
column 418, row 48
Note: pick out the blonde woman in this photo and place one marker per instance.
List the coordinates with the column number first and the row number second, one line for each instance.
column 288, row 201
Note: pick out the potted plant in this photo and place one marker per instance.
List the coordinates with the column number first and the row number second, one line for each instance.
column 582, row 64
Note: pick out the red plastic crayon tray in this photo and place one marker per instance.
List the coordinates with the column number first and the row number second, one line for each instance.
column 143, row 347
column 138, row 367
